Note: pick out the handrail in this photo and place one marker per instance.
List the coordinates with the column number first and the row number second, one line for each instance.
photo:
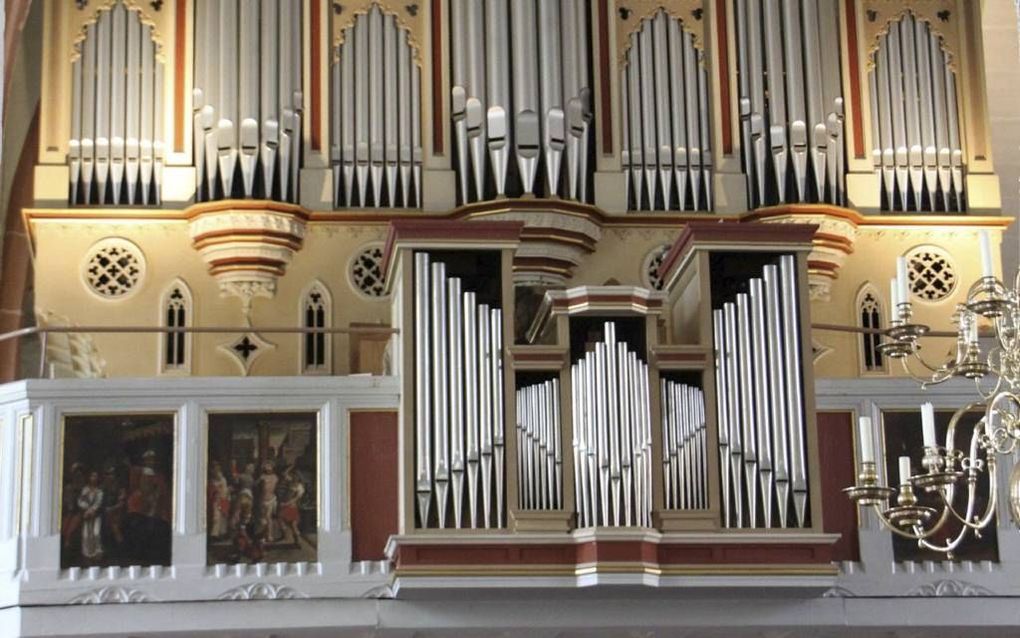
column 32, row 330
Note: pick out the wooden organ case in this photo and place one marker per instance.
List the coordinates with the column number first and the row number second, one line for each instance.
column 629, row 431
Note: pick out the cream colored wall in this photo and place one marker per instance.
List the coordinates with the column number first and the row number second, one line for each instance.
column 874, row 260
column 621, row 256
column 61, row 247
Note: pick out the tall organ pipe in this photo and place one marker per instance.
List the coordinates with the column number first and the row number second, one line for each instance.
column 541, row 120
column 791, row 108
column 917, row 153
column 248, row 98
column 376, row 127
column 115, row 151
column 459, row 440
column 664, row 91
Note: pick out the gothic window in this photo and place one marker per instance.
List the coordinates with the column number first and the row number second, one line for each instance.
column 176, row 309
column 931, row 272
column 113, row 268
column 917, row 150
column 869, row 312
column 316, row 347
column 376, row 129
column 115, row 151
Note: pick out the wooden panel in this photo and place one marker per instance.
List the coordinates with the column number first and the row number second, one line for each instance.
column 835, row 452
column 374, row 489
column 368, row 351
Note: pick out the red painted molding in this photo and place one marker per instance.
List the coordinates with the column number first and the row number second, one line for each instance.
column 854, row 64
column 437, row 77
column 441, row 230
column 315, row 66
column 180, row 47
column 722, row 52
column 839, row 515
column 606, row 104
column 375, row 493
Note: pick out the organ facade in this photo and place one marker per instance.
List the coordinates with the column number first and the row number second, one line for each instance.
column 364, row 298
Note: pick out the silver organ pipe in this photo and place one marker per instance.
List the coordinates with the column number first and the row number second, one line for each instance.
column 684, row 446
column 459, row 443
column 114, row 154
column 759, row 394
column 791, row 106
column 247, row 119
column 506, row 132
column 376, row 148
column 612, row 432
column 915, row 122
column 664, row 92
column 539, row 459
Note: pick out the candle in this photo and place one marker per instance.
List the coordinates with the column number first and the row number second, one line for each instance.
column 894, row 297
column 928, row 424
column 904, row 470
column 986, row 254
column 867, row 442
column 901, row 279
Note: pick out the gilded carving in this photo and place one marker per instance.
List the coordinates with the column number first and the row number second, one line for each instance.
column 160, row 21
column 631, row 13
column 409, row 17
column 943, row 16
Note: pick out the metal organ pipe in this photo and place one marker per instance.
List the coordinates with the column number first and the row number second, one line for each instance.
column 759, row 381
column 664, row 92
column 115, row 151
column 376, row 148
column 247, row 99
column 539, row 458
column 915, row 121
column 532, row 124
column 459, row 443
column 684, row 437
column 611, row 435
column 791, row 108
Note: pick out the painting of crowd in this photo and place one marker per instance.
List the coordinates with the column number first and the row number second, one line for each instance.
column 116, row 495
column 261, row 488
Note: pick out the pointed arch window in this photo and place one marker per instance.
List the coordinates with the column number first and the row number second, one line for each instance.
column 869, row 317
column 176, row 312
column 316, row 347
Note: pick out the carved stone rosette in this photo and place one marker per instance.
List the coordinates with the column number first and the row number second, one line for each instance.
column 833, row 242
column 247, row 245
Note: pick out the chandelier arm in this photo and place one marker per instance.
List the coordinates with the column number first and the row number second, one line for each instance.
column 896, row 530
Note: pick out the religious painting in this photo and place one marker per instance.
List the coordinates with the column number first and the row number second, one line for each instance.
column 117, row 490
column 261, row 488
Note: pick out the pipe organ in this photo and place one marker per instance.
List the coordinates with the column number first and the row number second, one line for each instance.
column 248, row 99
column 915, row 120
column 375, row 114
column 612, row 435
column 521, row 98
column 539, row 450
column 666, row 153
column 757, row 350
column 116, row 151
column 685, row 446
column 790, row 101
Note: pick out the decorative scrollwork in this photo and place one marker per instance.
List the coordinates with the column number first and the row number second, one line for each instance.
column 262, row 591
column 111, row 594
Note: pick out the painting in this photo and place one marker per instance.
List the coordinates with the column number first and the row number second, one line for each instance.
column 116, row 498
column 261, row 489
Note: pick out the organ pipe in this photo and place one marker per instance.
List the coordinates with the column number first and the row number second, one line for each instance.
column 666, row 154
column 459, row 442
column 247, row 99
column 917, row 153
column 506, row 131
column 539, row 457
column 611, row 434
column 116, row 149
column 684, row 446
column 760, row 401
column 790, row 101
column 376, row 147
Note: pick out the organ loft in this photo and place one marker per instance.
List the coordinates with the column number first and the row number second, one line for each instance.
column 508, row 316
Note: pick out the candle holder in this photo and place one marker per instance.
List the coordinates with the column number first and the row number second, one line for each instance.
column 868, row 491
column 907, row 514
column 988, row 298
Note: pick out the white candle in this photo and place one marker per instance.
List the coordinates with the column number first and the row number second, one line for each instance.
column 867, row 442
column 894, row 297
column 986, row 254
column 928, row 424
column 904, row 470
column 901, row 279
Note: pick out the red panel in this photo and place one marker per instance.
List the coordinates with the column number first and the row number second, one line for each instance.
column 835, row 454
column 374, row 493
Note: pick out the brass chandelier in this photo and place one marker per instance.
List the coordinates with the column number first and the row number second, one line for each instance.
column 927, row 506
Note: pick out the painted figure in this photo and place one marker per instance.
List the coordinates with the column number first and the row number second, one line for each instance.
column 90, row 500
